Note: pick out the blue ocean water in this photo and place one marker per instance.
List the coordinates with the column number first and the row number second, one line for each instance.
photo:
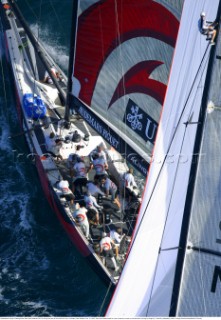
column 41, row 272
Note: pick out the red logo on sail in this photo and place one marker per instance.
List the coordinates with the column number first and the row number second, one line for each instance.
column 106, row 31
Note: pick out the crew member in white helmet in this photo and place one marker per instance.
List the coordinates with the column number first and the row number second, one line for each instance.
column 208, row 28
column 80, row 217
column 106, row 249
column 63, row 186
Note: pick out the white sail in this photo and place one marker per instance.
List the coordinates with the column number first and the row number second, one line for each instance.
column 146, row 284
column 202, row 260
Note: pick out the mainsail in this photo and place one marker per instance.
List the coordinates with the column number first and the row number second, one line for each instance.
column 154, row 281
column 122, row 60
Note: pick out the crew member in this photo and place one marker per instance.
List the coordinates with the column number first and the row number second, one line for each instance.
column 80, row 175
column 208, row 28
column 56, row 74
column 129, row 184
column 100, row 166
column 110, row 188
column 80, row 217
column 53, row 146
column 106, row 249
column 63, row 186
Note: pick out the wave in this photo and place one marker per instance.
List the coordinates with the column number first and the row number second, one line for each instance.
column 51, row 44
column 39, row 307
column 5, row 144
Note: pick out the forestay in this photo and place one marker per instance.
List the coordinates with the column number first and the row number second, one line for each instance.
column 123, row 56
column 146, row 284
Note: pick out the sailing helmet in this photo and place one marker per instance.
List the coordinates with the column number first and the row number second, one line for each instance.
column 202, row 14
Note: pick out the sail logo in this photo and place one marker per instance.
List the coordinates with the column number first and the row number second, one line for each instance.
column 152, row 21
column 134, row 118
column 140, row 122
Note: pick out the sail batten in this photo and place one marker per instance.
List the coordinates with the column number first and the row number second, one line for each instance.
column 146, row 284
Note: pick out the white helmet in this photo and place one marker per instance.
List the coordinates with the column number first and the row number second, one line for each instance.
column 202, row 14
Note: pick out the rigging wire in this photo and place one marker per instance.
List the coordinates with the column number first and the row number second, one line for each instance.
column 105, row 298
column 30, row 7
column 38, row 36
column 54, row 10
column 57, row 17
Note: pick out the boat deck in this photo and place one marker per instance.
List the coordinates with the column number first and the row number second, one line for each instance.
column 38, row 130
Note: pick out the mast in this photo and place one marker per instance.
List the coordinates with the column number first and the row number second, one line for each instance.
column 37, row 48
column 71, row 57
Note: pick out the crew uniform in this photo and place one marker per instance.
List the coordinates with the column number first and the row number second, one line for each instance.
column 80, row 168
column 53, row 145
column 63, row 185
column 80, row 176
column 98, row 151
column 110, row 187
column 94, row 189
column 72, row 159
column 106, row 249
column 100, row 166
column 81, row 219
column 206, row 28
column 91, row 202
column 116, row 235
column 129, row 184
